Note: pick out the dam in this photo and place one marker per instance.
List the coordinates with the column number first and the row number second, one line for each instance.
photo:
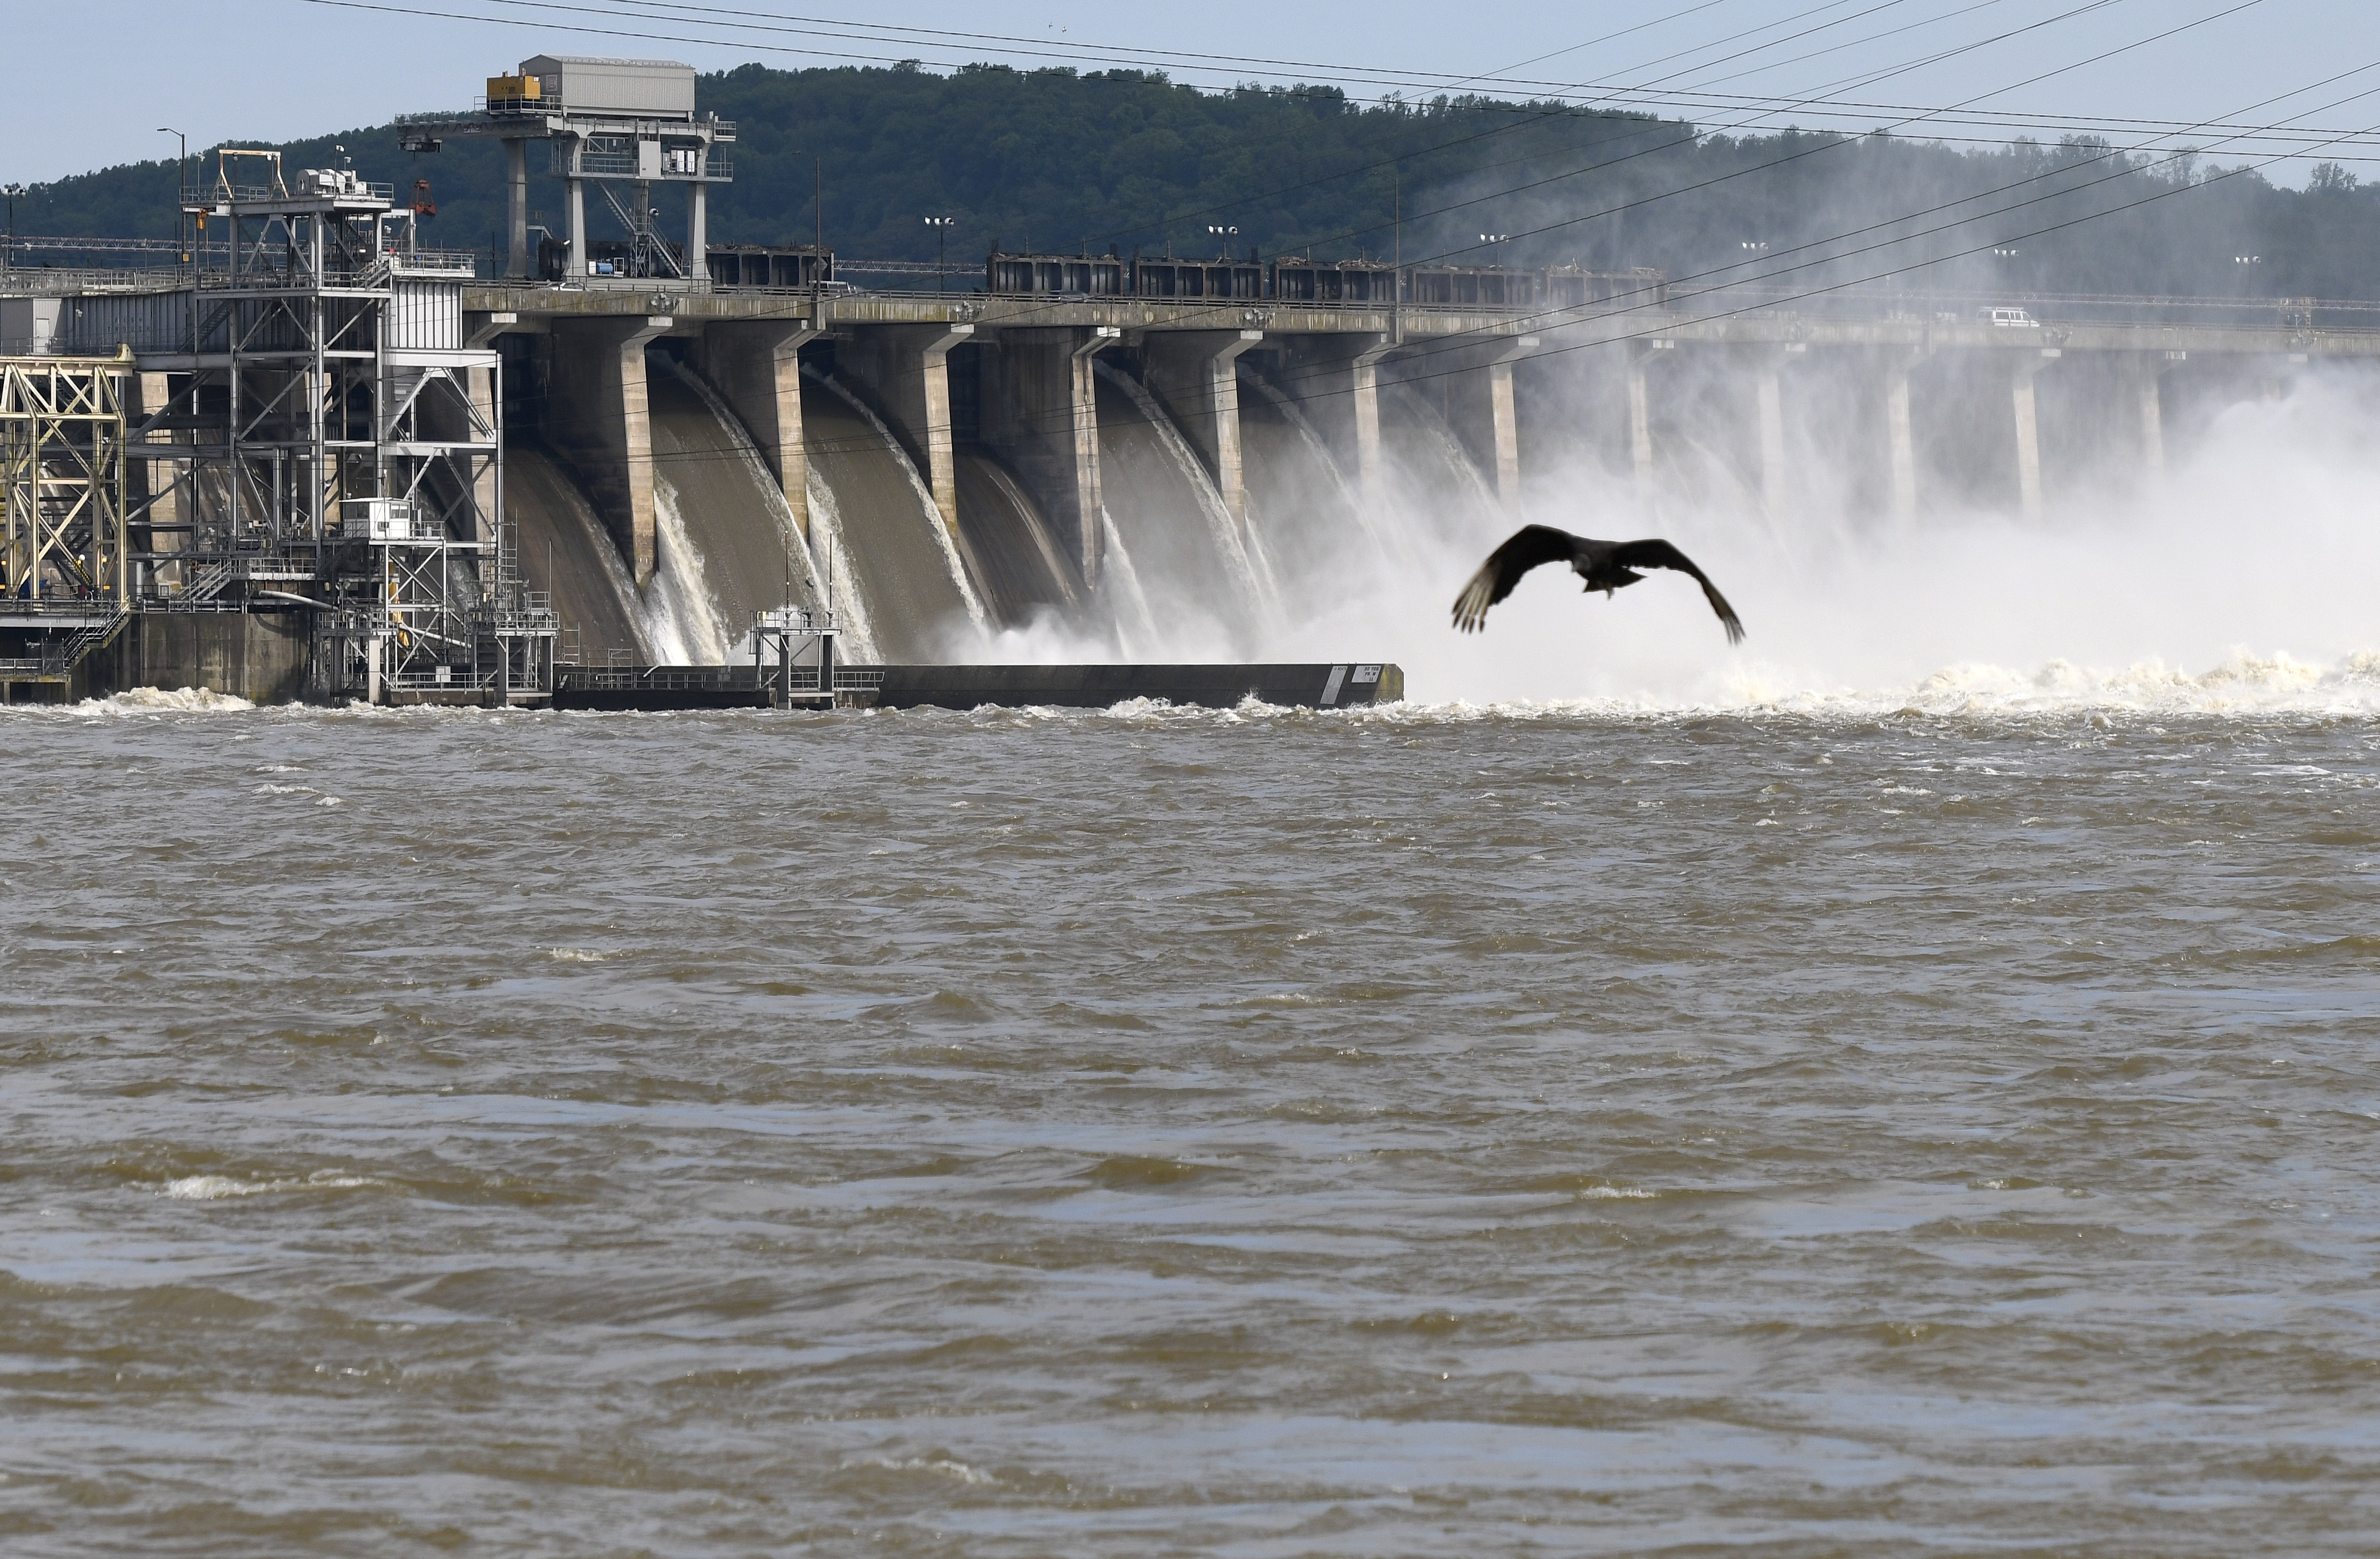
column 315, row 458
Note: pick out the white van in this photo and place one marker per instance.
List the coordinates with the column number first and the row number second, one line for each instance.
column 2008, row 318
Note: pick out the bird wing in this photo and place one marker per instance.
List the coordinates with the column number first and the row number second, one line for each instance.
column 1656, row 554
column 1522, row 550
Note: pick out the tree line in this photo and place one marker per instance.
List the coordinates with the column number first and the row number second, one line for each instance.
column 1056, row 160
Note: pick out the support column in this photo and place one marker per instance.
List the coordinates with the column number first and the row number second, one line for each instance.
column 1194, row 374
column 906, row 368
column 941, row 458
column 2028, row 430
column 1900, row 438
column 1090, row 505
column 2152, row 391
column 481, row 385
column 574, row 268
column 2151, row 382
column 1770, row 377
column 1640, row 411
column 1041, row 413
column 698, row 231
column 756, row 366
column 518, row 261
column 1364, row 371
column 598, row 415
column 1506, row 423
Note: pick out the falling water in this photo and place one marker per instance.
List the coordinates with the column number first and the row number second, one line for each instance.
column 1447, row 495
column 590, row 580
column 678, row 593
column 925, row 495
column 1140, row 634
column 1192, row 554
column 833, row 564
column 566, row 555
column 1342, row 499
column 1261, row 569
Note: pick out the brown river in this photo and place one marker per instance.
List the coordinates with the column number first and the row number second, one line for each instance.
column 1947, row 1126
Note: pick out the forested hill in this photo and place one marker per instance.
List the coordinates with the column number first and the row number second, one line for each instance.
column 1054, row 161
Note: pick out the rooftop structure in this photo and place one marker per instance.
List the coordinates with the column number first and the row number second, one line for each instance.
column 620, row 125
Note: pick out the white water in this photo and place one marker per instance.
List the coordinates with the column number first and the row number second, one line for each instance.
column 925, row 494
column 1388, row 539
column 836, row 587
column 1122, row 583
column 1266, row 576
column 677, row 609
column 2245, row 580
column 1221, row 530
column 1418, row 523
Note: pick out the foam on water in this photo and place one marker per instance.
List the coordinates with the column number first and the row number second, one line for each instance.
column 148, row 701
column 221, row 1188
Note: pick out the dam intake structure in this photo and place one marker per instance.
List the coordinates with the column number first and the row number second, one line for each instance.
column 321, row 460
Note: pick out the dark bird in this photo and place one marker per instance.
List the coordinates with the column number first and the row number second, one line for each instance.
column 1605, row 565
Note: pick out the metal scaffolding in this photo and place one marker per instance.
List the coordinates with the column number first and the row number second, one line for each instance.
column 316, row 431
column 65, row 579
column 62, row 436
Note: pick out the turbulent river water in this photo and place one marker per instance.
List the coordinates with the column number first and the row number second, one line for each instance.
column 1872, row 1130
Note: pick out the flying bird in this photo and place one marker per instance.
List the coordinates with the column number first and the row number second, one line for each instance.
column 1605, row 565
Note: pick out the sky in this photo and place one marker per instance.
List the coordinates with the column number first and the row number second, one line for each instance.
column 277, row 69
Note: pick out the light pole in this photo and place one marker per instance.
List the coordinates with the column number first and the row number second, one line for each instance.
column 1225, row 234
column 817, row 199
column 941, row 226
column 1491, row 241
column 181, row 194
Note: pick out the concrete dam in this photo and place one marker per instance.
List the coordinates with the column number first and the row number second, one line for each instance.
column 313, row 458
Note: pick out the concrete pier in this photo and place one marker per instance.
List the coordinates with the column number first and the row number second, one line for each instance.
column 1091, row 505
column 1642, row 356
column 756, row 366
column 2026, row 369
column 1040, row 413
column 2149, row 371
column 597, row 414
column 1899, row 437
column 907, row 369
column 1194, row 375
column 1503, row 418
column 518, row 258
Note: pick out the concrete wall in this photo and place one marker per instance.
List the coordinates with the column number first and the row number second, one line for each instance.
column 596, row 414
column 261, row 657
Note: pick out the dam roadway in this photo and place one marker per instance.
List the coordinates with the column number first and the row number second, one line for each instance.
column 1719, row 323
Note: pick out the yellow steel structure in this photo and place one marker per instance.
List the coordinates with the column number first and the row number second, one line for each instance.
column 62, row 436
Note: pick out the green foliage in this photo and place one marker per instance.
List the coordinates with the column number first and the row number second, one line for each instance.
column 1051, row 160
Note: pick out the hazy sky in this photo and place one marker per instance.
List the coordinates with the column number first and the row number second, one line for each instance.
column 270, row 69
